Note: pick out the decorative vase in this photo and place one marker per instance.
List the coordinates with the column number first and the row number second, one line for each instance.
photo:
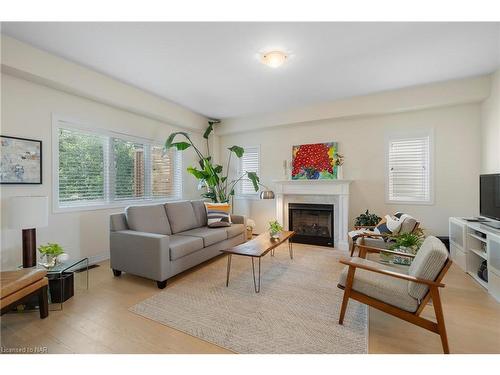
column 62, row 258
column 275, row 235
column 340, row 172
column 50, row 261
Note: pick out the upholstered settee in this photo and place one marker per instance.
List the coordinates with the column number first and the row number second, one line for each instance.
column 160, row 241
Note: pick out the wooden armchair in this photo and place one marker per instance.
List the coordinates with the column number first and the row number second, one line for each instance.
column 403, row 295
column 20, row 285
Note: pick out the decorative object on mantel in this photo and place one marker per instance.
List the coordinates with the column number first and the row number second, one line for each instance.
column 339, row 162
column 21, row 161
column 50, row 253
column 314, row 161
column 366, row 220
column 275, row 229
column 28, row 213
column 286, row 169
column 219, row 188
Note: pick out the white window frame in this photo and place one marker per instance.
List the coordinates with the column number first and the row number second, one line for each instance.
column 394, row 136
column 238, row 192
column 65, row 122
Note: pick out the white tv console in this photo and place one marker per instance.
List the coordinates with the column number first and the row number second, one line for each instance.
column 471, row 243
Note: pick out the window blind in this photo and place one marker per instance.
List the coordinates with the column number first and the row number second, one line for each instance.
column 166, row 173
column 81, row 167
column 103, row 168
column 249, row 162
column 409, row 170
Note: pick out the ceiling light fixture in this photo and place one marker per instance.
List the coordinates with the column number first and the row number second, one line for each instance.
column 273, row 59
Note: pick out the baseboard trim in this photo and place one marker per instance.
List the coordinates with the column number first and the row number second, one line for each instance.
column 94, row 259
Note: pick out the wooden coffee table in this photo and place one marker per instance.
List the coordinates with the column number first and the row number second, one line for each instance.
column 257, row 248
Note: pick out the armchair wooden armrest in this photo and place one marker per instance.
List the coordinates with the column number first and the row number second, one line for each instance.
column 364, row 227
column 398, row 275
column 380, row 235
column 370, row 249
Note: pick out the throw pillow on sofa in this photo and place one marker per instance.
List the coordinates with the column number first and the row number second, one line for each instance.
column 218, row 214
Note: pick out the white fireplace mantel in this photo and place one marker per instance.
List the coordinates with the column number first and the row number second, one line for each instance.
column 339, row 189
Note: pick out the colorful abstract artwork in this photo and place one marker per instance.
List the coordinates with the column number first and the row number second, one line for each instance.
column 21, row 161
column 314, row 161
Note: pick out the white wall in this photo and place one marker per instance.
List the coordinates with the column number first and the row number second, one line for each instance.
column 27, row 110
column 490, row 128
column 457, row 160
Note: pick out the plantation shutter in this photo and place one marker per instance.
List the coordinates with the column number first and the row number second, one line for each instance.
column 166, row 173
column 99, row 168
column 81, row 167
column 409, row 170
column 129, row 169
column 249, row 162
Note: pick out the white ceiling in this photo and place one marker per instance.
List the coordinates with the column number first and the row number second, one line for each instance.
column 212, row 68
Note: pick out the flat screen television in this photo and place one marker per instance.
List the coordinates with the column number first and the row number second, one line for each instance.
column 489, row 196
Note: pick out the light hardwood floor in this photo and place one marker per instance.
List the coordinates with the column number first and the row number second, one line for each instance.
column 98, row 321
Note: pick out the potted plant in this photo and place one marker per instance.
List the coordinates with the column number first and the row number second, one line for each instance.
column 49, row 253
column 219, row 187
column 366, row 220
column 408, row 243
column 275, row 229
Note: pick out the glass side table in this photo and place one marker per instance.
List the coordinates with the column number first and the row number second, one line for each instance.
column 62, row 279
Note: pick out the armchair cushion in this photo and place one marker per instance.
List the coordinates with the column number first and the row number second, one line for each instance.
column 408, row 223
column 384, row 288
column 428, row 262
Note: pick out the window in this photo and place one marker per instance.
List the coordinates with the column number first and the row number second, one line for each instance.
column 100, row 168
column 249, row 162
column 409, row 170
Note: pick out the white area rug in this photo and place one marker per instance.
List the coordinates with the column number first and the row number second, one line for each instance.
column 296, row 311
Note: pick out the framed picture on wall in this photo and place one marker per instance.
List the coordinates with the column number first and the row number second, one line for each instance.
column 20, row 161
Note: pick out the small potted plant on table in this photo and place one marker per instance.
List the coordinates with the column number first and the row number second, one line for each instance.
column 49, row 253
column 275, row 229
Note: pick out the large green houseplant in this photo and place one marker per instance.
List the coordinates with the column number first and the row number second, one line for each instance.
column 219, row 187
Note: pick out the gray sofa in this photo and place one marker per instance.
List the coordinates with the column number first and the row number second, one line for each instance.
column 160, row 241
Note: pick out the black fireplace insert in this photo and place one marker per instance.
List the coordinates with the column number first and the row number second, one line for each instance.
column 312, row 223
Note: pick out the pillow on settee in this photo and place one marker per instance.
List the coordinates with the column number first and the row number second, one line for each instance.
column 218, row 214
column 388, row 225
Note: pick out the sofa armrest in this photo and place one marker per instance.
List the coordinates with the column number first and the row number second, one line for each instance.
column 239, row 219
column 140, row 253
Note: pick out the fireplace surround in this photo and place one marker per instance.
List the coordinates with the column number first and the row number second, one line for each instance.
column 334, row 192
column 312, row 223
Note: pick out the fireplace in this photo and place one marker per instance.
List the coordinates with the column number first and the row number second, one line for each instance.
column 312, row 223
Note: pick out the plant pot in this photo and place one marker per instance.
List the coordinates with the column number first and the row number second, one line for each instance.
column 275, row 235
column 48, row 261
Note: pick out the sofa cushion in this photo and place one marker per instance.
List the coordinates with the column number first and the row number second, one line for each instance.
column 150, row 219
column 428, row 262
column 181, row 246
column 210, row 236
column 382, row 287
column 200, row 212
column 234, row 230
column 181, row 216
